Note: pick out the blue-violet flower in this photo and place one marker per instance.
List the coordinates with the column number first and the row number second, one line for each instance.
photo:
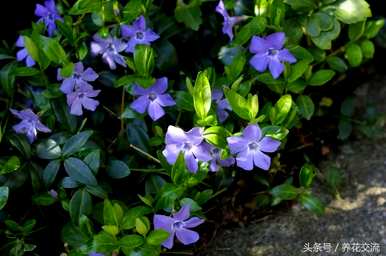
column 137, row 33
column 78, row 77
column 109, row 48
column 178, row 225
column 29, row 125
column 222, row 105
column 269, row 53
column 152, row 99
column 189, row 144
column 229, row 21
column 48, row 14
column 250, row 147
column 23, row 54
column 81, row 97
column 217, row 162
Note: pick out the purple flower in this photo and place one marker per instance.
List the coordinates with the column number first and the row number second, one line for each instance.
column 29, row 125
column 217, row 162
column 250, row 147
column 269, row 53
column 95, row 254
column 189, row 144
column 78, row 77
column 178, row 225
column 53, row 193
column 81, row 97
column 23, row 54
column 138, row 34
column 152, row 99
column 109, row 48
column 222, row 105
column 48, row 14
column 229, row 21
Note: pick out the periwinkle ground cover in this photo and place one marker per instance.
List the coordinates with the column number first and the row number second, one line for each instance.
column 107, row 92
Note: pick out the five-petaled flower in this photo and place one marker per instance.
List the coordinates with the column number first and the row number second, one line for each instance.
column 78, row 77
column 190, row 144
column 23, row 54
column 222, row 105
column 81, row 97
column 178, row 225
column 138, row 34
column 49, row 15
column 29, row 125
column 217, row 162
column 269, row 53
column 229, row 21
column 250, row 147
column 109, row 48
column 152, row 99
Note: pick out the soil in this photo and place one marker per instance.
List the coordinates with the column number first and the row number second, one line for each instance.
column 356, row 216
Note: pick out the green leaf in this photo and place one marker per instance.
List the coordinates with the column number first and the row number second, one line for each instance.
column 345, row 129
column 301, row 5
column 253, row 106
column 311, row 203
column 368, row 49
column 255, row 27
column 216, row 136
column 234, row 69
column 142, row 225
column 53, row 50
column 25, row 72
column 132, row 214
column 80, row 204
column 337, row 64
column 32, row 49
column 130, row 242
column 297, row 70
column 50, row 172
column 144, row 60
column 117, row 169
column 354, row 55
column 284, row 192
column 238, row 103
column 93, row 160
column 112, row 213
column 306, row 175
column 373, row 27
column 105, row 243
column 321, row 77
column 4, row 193
column 111, row 229
column 76, row 142
column 85, row 6
column 306, row 106
column 189, row 14
column 184, row 101
column 352, row 11
column 355, row 30
column 202, row 97
column 334, row 178
column 157, row 237
column 11, row 165
column 79, row 171
column 44, row 199
column 48, row 149
column 281, row 110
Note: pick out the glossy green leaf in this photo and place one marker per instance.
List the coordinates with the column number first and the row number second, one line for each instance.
column 281, row 110
column 50, row 172
column 306, row 175
column 144, row 60
column 4, row 193
column 354, row 55
column 202, row 97
column 321, row 77
column 311, row 203
column 117, row 169
column 284, row 192
column 76, row 142
column 189, row 14
column 80, row 204
column 48, row 149
column 79, row 171
column 306, row 106
column 85, row 6
column 352, row 11
column 254, row 27
column 157, row 237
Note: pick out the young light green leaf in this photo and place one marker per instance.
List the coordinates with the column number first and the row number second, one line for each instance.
column 202, row 97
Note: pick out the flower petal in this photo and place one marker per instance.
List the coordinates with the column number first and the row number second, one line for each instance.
column 150, row 35
column 285, row 55
column 160, row 86
column 165, row 100
column 140, row 104
column 194, row 135
column 193, row 222
column 252, row 132
column 220, row 8
column 276, row 68
column 276, row 40
column 237, row 144
column 140, row 23
column 89, row 103
column 258, row 45
column 163, row 222
column 21, row 55
column 29, row 61
column 191, row 162
column 96, row 48
column 68, row 85
column 155, row 111
column 40, row 10
column 41, row 127
column 201, row 153
column 171, row 153
column 76, row 108
column 187, row 236
column 245, row 160
column 259, row 62
column 261, row 160
column 183, row 213
column 268, row 144
column 175, row 135
column 89, row 75
column 127, row 31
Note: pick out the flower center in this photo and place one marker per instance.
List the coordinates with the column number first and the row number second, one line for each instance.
column 178, row 224
column 111, row 47
column 76, row 76
column 187, row 146
column 80, row 95
column 152, row 96
column 273, row 51
column 253, row 145
column 139, row 35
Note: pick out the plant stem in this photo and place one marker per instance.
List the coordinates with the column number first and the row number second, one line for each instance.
column 145, row 153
